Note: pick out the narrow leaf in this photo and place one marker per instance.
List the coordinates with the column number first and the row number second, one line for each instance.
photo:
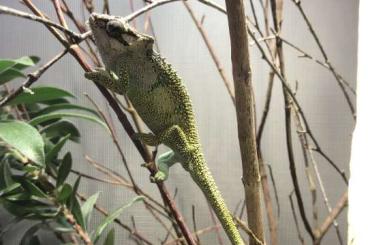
column 77, row 213
column 60, row 128
column 26, row 61
column 55, row 150
column 10, row 74
column 64, row 169
column 9, row 189
column 40, row 94
column 33, row 189
column 113, row 216
column 110, row 239
column 19, row 63
column 75, row 189
column 11, row 69
column 6, row 179
column 6, row 64
column 47, row 117
column 64, row 193
column 24, row 138
column 87, row 207
column 65, row 106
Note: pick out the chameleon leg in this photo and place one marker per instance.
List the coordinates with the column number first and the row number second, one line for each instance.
column 181, row 150
column 148, row 139
column 109, row 79
column 164, row 162
column 175, row 138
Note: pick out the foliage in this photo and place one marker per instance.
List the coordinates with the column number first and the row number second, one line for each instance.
column 34, row 169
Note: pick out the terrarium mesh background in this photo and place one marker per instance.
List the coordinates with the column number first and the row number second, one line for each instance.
column 336, row 24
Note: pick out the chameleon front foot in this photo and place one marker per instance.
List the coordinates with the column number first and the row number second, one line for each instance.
column 159, row 177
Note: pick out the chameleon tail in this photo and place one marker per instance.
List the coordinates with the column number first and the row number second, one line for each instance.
column 202, row 176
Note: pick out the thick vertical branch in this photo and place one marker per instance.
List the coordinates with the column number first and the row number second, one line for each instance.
column 245, row 114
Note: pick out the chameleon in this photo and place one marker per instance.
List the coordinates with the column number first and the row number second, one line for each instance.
column 133, row 68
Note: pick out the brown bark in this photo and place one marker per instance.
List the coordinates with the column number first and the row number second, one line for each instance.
column 245, row 115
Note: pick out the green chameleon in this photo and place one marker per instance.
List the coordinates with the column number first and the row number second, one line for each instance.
column 134, row 69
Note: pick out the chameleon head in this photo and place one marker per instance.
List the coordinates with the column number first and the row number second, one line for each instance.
column 114, row 36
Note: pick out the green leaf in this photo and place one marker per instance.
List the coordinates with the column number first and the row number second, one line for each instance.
column 29, row 234
column 56, row 149
column 46, row 212
column 6, row 64
column 113, row 216
column 87, row 207
column 74, row 206
column 26, row 61
column 9, row 189
column 110, row 239
column 77, row 213
column 10, row 74
column 25, row 139
column 10, row 69
column 64, row 169
column 66, row 106
column 47, row 117
column 33, row 189
column 6, row 179
column 65, row 192
column 40, row 94
column 19, row 63
column 60, row 128
column 62, row 225
column 75, row 189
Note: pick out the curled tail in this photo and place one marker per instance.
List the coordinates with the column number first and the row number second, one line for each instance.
column 202, row 176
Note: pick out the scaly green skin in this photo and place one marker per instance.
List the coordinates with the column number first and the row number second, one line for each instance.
column 160, row 98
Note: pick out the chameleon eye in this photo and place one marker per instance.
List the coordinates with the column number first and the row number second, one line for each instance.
column 114, row 28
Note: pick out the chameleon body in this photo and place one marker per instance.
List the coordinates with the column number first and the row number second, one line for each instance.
column 133, row 68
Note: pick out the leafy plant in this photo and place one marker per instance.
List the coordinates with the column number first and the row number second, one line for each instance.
column 34, row 128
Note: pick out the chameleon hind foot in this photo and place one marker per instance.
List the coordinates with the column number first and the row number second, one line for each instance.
column 164, row 162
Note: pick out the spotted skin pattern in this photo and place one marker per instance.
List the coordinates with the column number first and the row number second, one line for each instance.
column 161, row 99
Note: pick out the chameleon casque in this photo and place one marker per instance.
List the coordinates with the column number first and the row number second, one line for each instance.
column 135, row 69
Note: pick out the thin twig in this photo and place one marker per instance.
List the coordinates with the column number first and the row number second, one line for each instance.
column 324, row 54
column 211, row 50
column 213, row 5
column 319, row 62
column 147, row 8
column 10, row 11
column 195, row 225
column 276, row 7
column 295, row 218
column 341, row 204
column 198, row 233
column 297, row 104
column 95, row 178
column 250, row 233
